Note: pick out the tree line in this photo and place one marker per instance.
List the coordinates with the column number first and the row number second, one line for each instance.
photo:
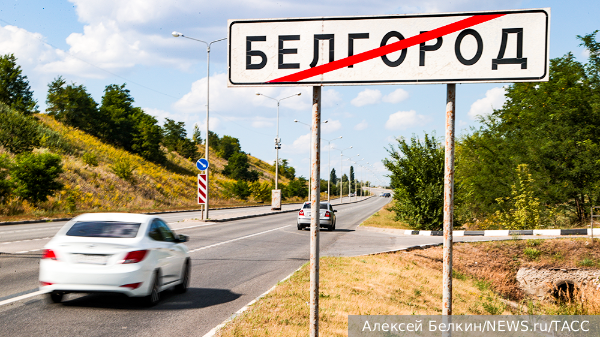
column 533, row 163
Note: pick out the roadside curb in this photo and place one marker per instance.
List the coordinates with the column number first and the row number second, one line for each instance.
column 182, row 211
column 561, row 232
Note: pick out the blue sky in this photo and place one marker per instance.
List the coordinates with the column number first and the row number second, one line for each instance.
column 102, row 42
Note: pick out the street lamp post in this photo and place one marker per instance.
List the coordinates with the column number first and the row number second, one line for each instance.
column 329, row 168
column 310, row 156
column 208, row 44
column 277, row 140
column 342, row 172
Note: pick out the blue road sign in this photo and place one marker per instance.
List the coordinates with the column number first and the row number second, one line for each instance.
column 202, row 164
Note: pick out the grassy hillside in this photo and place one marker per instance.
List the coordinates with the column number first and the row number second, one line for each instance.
column 89, row 187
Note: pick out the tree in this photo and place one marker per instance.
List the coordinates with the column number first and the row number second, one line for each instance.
column 227, row 147
column 18, row 133
column 6, row 185
column 173, row 132
column 146, row 137
column 117, row 111
column 14, row 86
column 238, row 168
column 552, row 128
column 196, row 136
column 72, row 105
column 333, row 177
column 286, row 170
column 296, row 188
column 36, row 176
column 417, row 174
column 352, row 174
column 213, row 140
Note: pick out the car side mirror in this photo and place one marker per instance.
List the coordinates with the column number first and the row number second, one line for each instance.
column 335, row 211
column 183, row 238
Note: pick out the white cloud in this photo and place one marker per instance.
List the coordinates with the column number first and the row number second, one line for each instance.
column 331, row 126
column 405, row 119
column 299, row 146
column 362, row 125
column 494, row 99
column 330, row 98
column 260, row 122
column 366, row 97
column 396, row 96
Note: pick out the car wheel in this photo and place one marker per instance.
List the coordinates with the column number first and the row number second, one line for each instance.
column 55, row 297
column 299, row 227
column 154, row 295
column 185, row 279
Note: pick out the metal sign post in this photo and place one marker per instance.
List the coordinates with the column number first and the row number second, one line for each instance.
column 448, row 199
column 315, row 202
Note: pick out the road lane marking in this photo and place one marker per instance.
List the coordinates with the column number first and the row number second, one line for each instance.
column 232, row 240
column 22, row 297
column 6, row 243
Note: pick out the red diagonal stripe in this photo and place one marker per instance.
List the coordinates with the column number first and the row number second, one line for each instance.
column 387, row 49
column 202, row 183
column 202, row 194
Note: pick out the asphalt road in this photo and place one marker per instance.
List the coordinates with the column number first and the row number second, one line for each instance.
column 232, row 263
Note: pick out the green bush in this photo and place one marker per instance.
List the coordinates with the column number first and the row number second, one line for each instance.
column 36, row 176
column 532, row 253
column 90, row 159
column 123, row 169
column 18, row 133
column 522, row 209
column 241, row 189
column 261, row 191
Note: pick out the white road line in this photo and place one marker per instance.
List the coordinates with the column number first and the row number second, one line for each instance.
column 29, row 230
column 232, row 240
column 22, row 297
column 203, row 225
column 5, row 243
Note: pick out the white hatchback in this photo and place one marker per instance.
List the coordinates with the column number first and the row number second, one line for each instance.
column 133, row 254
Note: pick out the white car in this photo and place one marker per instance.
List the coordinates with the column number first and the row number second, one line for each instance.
column 133, row 254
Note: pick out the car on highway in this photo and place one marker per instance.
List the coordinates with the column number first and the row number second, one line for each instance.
column 327, row 218
column 133, row 254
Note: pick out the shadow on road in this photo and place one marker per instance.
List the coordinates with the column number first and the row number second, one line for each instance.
column 194, row 298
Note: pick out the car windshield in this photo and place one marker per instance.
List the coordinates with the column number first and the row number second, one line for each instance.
column 104, row 229
column 307, row 206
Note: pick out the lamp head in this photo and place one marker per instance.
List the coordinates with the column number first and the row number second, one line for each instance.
column 299, row 93
column 326, row 121
column 295, row 121
column 176, row 34
column 258, row 94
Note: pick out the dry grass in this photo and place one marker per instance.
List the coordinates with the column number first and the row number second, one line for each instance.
column 387, row 284
column 496, row 263
column 385, row 218
column 152, row 187
column 411, row 283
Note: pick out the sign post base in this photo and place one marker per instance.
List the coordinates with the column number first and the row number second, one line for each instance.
column 276, row 200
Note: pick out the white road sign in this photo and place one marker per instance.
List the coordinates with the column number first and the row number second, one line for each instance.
column 498, row 46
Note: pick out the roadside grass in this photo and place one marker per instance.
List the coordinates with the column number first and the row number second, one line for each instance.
column 407, row 283
column 385, row 284
column 385, row 218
